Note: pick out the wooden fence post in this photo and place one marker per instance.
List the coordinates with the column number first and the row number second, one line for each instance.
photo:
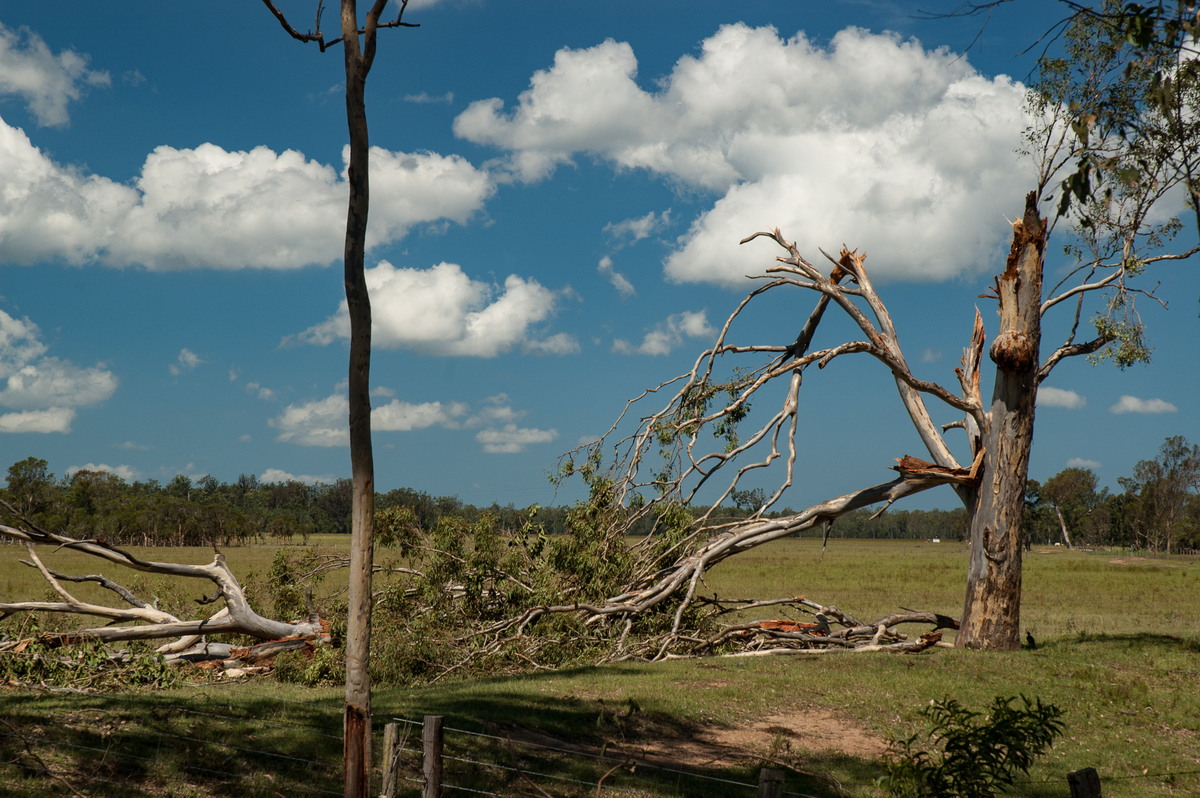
column 770, row 783
column 1084, row 783
column 431, row 745
column 391, row 759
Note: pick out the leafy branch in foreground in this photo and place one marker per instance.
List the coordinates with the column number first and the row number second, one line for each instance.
column 969, row 754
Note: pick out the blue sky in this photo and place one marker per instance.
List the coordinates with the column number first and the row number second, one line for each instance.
column 558, row 191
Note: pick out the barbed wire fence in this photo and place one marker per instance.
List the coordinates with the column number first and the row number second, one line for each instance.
column 524, row 765
column 96, row 749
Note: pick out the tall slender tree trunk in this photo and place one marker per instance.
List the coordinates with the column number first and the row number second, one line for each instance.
column 991, row 615
column 357, row 719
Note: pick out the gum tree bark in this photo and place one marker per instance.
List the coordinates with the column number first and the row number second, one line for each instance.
column 357, row 719
column 992, row 609
column 358, row 47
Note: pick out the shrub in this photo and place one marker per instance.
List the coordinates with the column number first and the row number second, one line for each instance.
column 973, row 754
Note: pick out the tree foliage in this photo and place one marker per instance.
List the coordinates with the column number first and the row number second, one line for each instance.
column 968, row 754
column 1164, row 505
column 1116, row 127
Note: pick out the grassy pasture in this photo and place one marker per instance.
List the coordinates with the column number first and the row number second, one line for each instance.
column 1118, row 650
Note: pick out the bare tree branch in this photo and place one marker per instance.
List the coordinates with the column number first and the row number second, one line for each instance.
column 236, row 617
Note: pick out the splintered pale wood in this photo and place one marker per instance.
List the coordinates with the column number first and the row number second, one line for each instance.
column 991, row 609
column 236, row 617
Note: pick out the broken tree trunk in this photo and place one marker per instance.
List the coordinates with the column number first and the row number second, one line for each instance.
column 1062, row 525
column 143, row 621
column 991, row 611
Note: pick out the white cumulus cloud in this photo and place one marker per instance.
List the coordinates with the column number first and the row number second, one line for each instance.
column 668, row 335
column 634, row 230
column 186, row 361
column 876, row 142
column 278, row 475
column 323, row 422
column 207, row 207
column 442, row 311
column 56, row 419
column 511, row 439
column 618, row 280
column 47, row 83
column 1081, row 462
column 1058, row 397
column 42, row 389
column 127, row 473
column 1132, row 404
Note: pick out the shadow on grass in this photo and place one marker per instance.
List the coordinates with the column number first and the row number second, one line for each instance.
column 570, row 744
column 1127, row 640
column 561, row 733
column 156, row 744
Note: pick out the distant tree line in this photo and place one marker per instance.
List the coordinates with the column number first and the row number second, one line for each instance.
column 1157, row 509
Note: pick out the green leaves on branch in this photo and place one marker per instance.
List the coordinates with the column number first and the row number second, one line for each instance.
column 969, row 754
column 1127, row 342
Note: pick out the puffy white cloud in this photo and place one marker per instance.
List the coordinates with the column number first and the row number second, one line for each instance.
column 208, row 207
column 587, row 98
column 511, row 439
column 556, row 344
column 45, row 389
column 634, row 230
column 408, row 189
column 905, row 153
column 19, row 343
column 1057, row 397
column 127, row 473
column 398, row 416
column 186, row 361
column 278, row 475
column 669, row 334
column 1080, row 462
column 443, row 311
column 323, row 422
column 56, row 419
column 1132, row 404
column 52, row 212
column 56, row 383
column 47, row 82
column 618, row 280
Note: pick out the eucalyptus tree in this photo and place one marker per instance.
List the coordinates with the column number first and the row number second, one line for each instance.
column 1072, row 495
column 358, row 43
column 1163, row 495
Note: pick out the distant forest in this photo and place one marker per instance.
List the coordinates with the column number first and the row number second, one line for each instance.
column 1158, row 509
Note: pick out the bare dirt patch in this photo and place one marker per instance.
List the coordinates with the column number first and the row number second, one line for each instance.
column 1142, row 561
column 780, row 736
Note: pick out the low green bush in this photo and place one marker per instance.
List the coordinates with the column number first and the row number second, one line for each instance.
column 969, row 754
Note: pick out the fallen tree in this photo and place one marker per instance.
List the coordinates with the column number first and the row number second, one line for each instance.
column 654, row 462
column 136, row 619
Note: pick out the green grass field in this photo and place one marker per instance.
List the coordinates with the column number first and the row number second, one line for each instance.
column 1118, row 651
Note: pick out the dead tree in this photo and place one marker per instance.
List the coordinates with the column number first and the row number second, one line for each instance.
column 665, row 454
column 137, row 619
